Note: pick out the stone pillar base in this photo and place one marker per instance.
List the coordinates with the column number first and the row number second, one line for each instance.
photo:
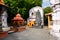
column 53, row 33
column 3, row 34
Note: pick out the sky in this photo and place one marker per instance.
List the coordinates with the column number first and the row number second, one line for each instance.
column 46, row 3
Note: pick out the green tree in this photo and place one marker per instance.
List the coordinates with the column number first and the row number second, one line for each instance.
column 47, row 10
column 21, row 6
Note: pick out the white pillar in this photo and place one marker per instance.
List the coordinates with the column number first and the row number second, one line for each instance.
column 4, row 19
column 55, row 31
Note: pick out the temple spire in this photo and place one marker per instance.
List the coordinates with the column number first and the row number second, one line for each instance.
column 2, row 2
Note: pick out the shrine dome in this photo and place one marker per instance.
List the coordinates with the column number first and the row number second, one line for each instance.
column 18, row 15
column 2, row 2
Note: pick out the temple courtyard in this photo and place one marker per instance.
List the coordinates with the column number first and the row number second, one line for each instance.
column 31, row 34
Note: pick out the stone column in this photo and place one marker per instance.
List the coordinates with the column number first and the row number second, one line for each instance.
column 55, row 31
column 4, row 19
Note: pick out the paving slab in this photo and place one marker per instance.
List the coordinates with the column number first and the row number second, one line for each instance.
column 31, row 34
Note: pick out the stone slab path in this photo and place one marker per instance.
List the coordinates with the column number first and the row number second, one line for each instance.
column 31, row 34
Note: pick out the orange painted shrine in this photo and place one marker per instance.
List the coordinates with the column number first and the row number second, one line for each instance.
column 18, row 19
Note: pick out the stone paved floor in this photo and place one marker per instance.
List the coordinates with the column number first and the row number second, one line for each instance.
column 31, row 34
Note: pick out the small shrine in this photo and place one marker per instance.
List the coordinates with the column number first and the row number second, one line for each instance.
column 18, row 19
column 17, row 22
column 4, row 26
column 50, row 22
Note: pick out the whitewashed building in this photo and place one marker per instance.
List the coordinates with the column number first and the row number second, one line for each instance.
column 36, row 14
column 55, row 4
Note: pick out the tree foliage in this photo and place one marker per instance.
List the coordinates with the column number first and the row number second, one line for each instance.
column 21, row 6
column 47, row 10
